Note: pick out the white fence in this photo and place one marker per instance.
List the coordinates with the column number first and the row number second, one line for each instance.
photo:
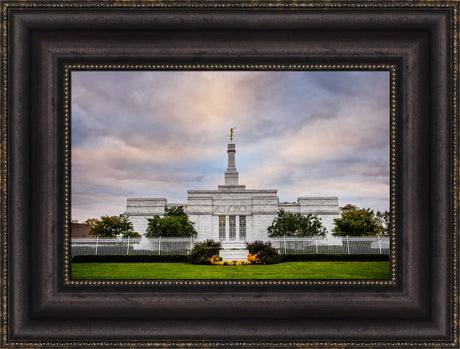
column 112, row 246
column 146, row 246
column 342, row 245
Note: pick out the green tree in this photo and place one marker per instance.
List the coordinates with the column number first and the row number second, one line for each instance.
column 348, row 207
column 175, row 223
column 91, row 221
column 175, row 212
column 357, row 222
column 111, row 226
column 296, row 224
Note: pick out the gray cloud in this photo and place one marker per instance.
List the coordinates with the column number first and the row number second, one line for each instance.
column 160, row 133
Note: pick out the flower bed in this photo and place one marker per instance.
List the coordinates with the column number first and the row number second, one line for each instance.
column 216, row 260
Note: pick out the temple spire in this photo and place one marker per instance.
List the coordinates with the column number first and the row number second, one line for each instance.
column 231, row 175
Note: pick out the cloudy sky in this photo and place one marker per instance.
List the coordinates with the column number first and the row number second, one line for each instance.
column 157, row 134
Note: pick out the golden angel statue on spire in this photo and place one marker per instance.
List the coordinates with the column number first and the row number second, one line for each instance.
column 231, row 133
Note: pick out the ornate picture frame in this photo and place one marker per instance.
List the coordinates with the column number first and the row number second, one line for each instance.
column 41, row 306
column 389, row 112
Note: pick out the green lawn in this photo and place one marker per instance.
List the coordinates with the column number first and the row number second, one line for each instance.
column 289, row 270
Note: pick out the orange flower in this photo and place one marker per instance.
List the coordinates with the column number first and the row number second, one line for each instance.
column 253, row 258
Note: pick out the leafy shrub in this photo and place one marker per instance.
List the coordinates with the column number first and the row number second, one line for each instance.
column 256, row 246
column 265, row 252
column 269, row 255
column 202, row 252
column 333, row 257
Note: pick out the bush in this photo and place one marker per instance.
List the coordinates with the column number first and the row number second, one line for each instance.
column 256, row 246
column 202, row 252
column 266, row 253
column 334, row 257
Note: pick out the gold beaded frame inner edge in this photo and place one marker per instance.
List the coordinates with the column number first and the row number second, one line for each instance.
column 68, row 68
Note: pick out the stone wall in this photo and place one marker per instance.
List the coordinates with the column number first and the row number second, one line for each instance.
column 204, row 225
column 259, row 206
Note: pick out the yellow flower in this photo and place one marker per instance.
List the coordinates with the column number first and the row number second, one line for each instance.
column 215, row 259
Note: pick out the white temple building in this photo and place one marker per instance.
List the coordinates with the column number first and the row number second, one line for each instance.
column 232, row 212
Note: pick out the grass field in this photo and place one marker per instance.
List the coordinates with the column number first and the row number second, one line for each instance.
column 289, row 270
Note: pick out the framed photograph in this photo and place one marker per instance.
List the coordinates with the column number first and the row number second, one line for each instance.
column 92, row 89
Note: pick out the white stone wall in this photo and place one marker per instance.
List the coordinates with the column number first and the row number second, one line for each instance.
column 139, row 223
column 289, row 207
column 259, row 206
column 140, row 206
column 260, row 225
column 204, row 225
column 318, row 204
column 328, row 223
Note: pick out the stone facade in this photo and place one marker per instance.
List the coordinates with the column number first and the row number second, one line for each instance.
column 232, row 212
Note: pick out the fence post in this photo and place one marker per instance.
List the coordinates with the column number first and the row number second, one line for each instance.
column 159, row 245
column 127, row 248
column 348, row 246
column 380, row 245
column 284, row 238
column 97, row 242
column 316, row 245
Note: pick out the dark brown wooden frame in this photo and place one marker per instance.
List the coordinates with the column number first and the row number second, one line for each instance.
column 40, row 308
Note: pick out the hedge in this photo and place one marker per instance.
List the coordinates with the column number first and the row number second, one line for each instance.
column 333, row 257
column 130, row 258
column 183, row 258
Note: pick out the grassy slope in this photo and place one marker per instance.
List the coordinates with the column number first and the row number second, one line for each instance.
column 289, row 270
